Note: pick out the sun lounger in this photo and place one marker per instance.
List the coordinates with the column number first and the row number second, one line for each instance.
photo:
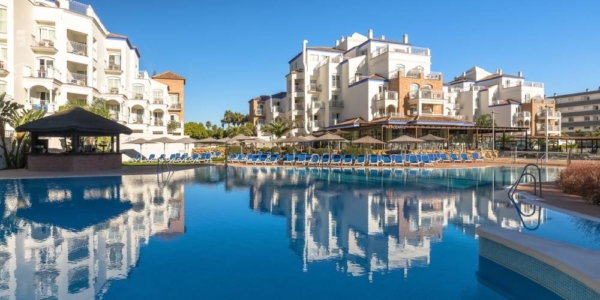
column 336, row 159
column 413, row 160
column 386, row 160
column 194, row 159
column 373, row 160
column 425, row 160
column 262, row 159
column 183, row 158
column 360, row 161
column 455, row 158
column 314, row 160
column 273, row 159
column 348, row 159
column 136, row 159
column 476, row 157
column 288, row 159
column 465, row 158
column 398, row 159
column 445, row 158
column 325, row 159
column 150, row 158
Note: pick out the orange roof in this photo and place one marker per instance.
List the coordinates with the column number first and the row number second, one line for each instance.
column 169, row 75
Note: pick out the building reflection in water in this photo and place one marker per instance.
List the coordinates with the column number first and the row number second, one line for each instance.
column 63, row 259
column 388, row 223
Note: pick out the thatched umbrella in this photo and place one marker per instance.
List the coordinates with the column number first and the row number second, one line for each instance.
column 368, row 140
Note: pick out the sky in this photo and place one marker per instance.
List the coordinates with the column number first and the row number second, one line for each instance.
column 231, row 51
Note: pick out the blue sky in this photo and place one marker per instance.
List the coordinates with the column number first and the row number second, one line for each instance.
column 231, row 51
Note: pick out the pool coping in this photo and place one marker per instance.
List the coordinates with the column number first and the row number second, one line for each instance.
column 580, row 263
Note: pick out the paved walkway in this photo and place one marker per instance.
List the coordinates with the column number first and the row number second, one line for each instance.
column 554, row 196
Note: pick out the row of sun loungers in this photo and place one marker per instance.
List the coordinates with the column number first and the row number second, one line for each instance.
column 351, row 160
column 176, row 158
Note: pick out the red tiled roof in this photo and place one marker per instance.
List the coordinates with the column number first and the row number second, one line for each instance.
column 168, row 75
column 352, row 121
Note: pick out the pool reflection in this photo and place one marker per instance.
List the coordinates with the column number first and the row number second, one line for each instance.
column 384, row 224
column 57, row 255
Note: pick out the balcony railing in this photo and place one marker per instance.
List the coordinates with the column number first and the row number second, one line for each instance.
column 523, row 114
column 336, row 103
column 137, row 120
column 538, row 100
column 138, row 96
column 389, row 95
column 315, row 87
column 315, row 124
column 78, row 7
column 77, row 78
column 277, row 109
column 551, row 114
column 541, row 127
column 175, row 106
column 115, row 90
column 42, row 43
column 299, row 106
column 317, row 105
column 158, row 122
column 77, row 48
column 42, row 72
column 426, row 94
column 113, row 67
column 298, row 124
column 259, row 112
column 523, row 83
column 434, row 76
column 400, row 49
column 158, row 101
column 39, row 104
column 298, row 88
column 387, row 114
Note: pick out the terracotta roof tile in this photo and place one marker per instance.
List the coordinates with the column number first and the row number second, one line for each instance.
column 168, row 75
column 352, row 121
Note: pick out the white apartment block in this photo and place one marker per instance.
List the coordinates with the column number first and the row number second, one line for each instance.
column 361, row 76
column 515, row 102
column 580, row 111
column 55, row 51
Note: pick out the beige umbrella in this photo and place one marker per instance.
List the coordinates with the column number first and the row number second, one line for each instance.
column 432, row 138
column 208, row 140
column 139, row 142
column 328, row 137
column 309, row 138
column 368, row 140
column 187, row 141
column 405, row 139
column 164, row 141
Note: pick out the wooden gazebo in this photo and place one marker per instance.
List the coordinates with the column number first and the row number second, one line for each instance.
column 74, row 124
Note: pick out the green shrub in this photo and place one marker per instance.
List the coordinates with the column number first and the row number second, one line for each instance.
column 235, row 150
column 275, row 149
column 265, row 149
column 354, row 151
column 582, row 179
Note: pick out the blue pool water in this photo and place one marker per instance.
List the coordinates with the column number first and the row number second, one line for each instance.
column 263, row 233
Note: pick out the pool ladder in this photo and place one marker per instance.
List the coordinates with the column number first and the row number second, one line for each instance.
column 537, row 187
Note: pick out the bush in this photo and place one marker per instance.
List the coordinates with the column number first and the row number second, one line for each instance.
column 582, row 179
column 354, row 151
column 265, row 149
column 235, row 150
column 275, row 150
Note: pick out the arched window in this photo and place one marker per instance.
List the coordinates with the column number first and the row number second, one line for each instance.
column 114, row 83
column 419, row 69
column 401, row 69
column 414, row 87
column 138, row 91
column 427, row 87
column 158, row 97
column 527, row 97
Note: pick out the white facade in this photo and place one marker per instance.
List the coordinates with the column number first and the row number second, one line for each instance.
column 59, row 51
column 513, row 100
column 579, row 111
column 327, row 85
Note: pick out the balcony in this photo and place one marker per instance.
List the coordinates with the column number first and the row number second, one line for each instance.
column 77, row 48
column 551, row 128
column 299, row 106
column 114, row 90
column 158, row 101
column 313, row 87
column 550, row 113
column 137, row 120
column 401, row 50
column 4, row 67
column 426, row 94
column 158, row 122
column 316, row 105
column 277, row 109
column 42, row 72
column 386, row 99
column 117, row 116
column 538, row 100
column 523, row 83
column 386, row 114
column 38, row 104
column 42, row 46
column 175, row 106
column 298, row 88
column 297, row 124
column 316, row 124
column 523, row 115
column 77, row 79
column 138, row 96
column 259, row 112
column 142, row 75
column 336, row 104
column 78, row 7
column 112, row 68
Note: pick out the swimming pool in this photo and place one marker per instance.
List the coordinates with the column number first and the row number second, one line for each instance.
column 262, row 232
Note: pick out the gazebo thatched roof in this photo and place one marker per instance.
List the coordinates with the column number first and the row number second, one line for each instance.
column 75, row 120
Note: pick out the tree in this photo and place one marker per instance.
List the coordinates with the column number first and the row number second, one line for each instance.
column 246, row 129
column 195, row 130
column 485, row 121
column 172, row 125
column 99, row 106
column 578, row 132
column 278, row 127
column 7, row 110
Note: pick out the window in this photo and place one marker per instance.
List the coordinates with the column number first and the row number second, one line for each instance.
column 334, row 97
column 314, row 99
column 571, row 128
column 43, row 65
column 570, row 119
column 586, row 118
column 3, row 19
column 586, row 127
column 414, row 87
column 527, row 97
column 586, row 107
column 596, row 118
column 400, row 68
column 595, row 107
column 157, row 94
column 174, row 98
column 314, row 58
column 114, row 61
column 47, row 33
column 363, row 52
column 114, row 82
column 138, row 90
column 335, row 81
column 569, row 108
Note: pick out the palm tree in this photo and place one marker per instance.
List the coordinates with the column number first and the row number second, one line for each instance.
column 278, row 127
column 485, row 121
column 21, row 142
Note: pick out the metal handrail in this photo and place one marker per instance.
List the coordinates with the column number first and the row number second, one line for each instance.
column 513, row 188
column 541, row 160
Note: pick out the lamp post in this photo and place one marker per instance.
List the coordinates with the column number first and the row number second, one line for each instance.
column 493, row 135
column 546, row 133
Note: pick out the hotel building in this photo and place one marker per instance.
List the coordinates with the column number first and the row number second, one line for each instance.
column 362, row 77
column 580, row 111
column 56, row 51
column 516, row 102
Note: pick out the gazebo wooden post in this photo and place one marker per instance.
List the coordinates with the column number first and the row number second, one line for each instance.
column 112, row 143
column 74, row 142
column 526, row 141
column 34, row 139
column 476, row 138
column 503, row 139
column 118, row 143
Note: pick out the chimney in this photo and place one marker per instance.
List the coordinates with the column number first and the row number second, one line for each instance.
column 337, row 43
column 500, row 71
column 405, row 39
column 464, row 74
column 554, row 94
column 370, row 33
column 342, row 39
column 383, row 37
column 520, row 74
column 304, row 58
column 587, row 90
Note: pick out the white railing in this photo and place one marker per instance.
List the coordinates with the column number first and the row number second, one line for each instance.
column 277, row 109
column 115, row 90
column 113, row 67
column 137, row 119
column 158, row 122
column 259, row 112
column 315, row 124
column 175, row 106
column 156, row 100
column 117, row 115
column 41, row 43
column 42, row 72
column 413, row 74
column 523, row 83
column 538, row 100
column 400, row 49
column 389, row 95
column 316, row 105
column 336, row 103
column 77, row 48
column 298, row 88
column 315, row 87
column 541, row 127
column 333, row 122
column 142, row 75
column 426, row 94
column 298, row 124
column 551, row 114
column 299, row 106
column 138, row 96
column 523, row 114
column 478, row 87
column 389, row 114
column 39, row 104
column 78, row 79
column 337, row 59
column 434, row 75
